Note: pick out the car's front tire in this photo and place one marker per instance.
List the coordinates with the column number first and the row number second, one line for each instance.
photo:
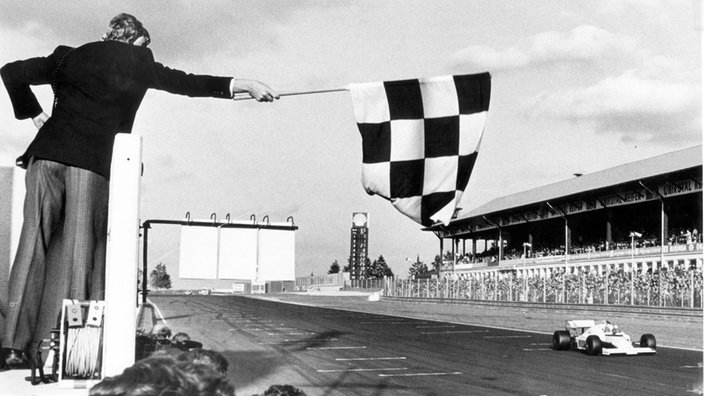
column 648, row 341
column 593, row 345
column 561, row 340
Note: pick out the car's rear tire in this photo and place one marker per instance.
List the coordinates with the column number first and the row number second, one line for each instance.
column 561, row 340
column 593, row 345
column 648, row 341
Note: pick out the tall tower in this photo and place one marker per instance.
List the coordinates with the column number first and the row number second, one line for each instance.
column 359, row 244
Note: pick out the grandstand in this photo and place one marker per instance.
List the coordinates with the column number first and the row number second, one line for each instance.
column 641, row 216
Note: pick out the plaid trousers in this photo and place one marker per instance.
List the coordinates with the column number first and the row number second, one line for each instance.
column 61, row 252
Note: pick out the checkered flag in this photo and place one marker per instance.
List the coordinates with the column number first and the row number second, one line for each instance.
column 420, row 140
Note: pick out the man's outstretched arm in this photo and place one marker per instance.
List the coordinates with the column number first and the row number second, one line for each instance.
column 179, row 82
column 256, row 89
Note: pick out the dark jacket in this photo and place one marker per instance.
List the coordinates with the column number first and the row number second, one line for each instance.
column 98, row 88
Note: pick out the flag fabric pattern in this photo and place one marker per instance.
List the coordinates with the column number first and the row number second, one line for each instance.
column 420, row 140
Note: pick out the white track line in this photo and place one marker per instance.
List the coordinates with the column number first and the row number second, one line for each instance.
column 618, row 376
column 370, row 358
column 362, row 370
column 455, row 332
column 340, row 347
column 303, row 340
column 516, row 336
column 158, row 313
column 419, row 374
column 311, row 340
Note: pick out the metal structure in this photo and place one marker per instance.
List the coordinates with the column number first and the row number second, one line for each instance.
column 359, row 245
column 146, row 226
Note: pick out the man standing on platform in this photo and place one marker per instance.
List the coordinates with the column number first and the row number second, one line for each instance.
column 98, row 88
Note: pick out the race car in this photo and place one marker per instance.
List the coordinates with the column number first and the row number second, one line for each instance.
column 602, row 338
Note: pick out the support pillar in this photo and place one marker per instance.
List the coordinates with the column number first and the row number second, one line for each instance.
column 568, row 238
column 501, row 247
column 609, row 227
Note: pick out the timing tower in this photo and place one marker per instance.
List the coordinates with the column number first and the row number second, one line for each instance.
column 359, row 244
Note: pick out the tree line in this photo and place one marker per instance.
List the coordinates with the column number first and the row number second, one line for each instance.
column 378, row 268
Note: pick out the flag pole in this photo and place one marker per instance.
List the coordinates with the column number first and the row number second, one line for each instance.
column 245, row 95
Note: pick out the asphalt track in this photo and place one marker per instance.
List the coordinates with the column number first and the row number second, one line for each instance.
column 334, row 352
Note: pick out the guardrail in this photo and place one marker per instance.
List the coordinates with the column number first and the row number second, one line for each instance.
column 613, row 309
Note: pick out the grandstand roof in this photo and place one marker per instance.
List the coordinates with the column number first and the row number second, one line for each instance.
column 632, row 171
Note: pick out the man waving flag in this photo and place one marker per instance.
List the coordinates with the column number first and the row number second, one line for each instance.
column 420, row 140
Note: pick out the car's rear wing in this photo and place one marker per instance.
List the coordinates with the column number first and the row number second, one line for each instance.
column 579, row 324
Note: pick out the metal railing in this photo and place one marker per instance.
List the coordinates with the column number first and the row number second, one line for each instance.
column 665, row 288
column 341, row 279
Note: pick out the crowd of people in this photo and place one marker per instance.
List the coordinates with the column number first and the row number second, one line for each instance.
column 683, row 236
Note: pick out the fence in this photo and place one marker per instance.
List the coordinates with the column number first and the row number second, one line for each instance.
column 341, row 279
column 664, row 288
column 376, row 284
column 306, row 282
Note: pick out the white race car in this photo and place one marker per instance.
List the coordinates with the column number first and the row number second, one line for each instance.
column 600, row 339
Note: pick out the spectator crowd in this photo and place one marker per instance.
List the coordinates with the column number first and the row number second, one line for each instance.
column 491, row 255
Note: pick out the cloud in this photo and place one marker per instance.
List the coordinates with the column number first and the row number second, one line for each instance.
column 653, row 10
column 181, row 31
column 584, row 43
column 658, row 101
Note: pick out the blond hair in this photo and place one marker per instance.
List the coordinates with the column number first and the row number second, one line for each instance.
column 127, row 29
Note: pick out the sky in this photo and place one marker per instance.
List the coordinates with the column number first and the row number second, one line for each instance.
column 577, row 87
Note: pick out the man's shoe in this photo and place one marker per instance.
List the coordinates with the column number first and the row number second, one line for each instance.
column 15, row 359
